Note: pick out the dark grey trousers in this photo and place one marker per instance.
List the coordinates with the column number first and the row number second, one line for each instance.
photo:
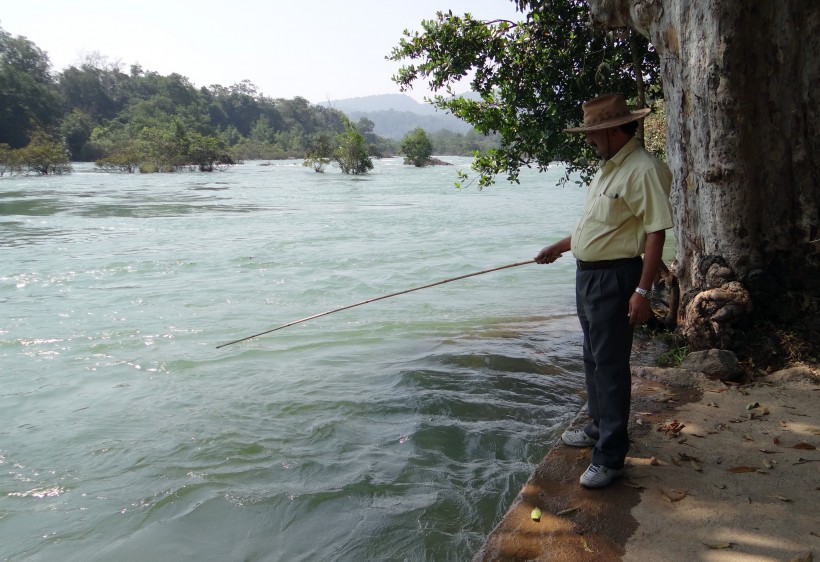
column 602, row 298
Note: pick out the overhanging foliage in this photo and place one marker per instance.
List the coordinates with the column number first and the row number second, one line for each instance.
column 531, row 77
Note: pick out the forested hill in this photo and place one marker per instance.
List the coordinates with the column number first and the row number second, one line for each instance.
column 141, row 120
column 395, row 115
column 383, row 102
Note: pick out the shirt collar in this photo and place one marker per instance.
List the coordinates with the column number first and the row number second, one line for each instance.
column 625, row 151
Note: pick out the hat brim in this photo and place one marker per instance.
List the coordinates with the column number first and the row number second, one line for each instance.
column 614, row 122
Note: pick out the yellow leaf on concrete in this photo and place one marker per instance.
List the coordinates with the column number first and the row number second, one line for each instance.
column 719, row 545
column 585, row 545
column 566, row 511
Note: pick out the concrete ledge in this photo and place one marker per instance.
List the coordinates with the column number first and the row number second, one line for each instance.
column 716, row 471
column 577, row 524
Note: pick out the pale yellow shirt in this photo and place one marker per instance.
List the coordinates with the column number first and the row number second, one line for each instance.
column 628, row 197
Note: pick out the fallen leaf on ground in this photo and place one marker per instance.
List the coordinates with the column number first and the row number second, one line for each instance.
column 752, row 405
column 654, row 462
column 781, row 498
column 585, row 545
column 718, row 545
column 740, row 469
column 685, row 457
column 696, row 465
column 674, row 427
column 776, row 440
column 673, row 496
column 804, row 446
column 566, row 511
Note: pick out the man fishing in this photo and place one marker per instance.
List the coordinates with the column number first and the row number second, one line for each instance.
column 626, row 215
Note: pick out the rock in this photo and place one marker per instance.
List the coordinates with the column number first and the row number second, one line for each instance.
column 793, row 374
column 671, row 376
column 714, row 363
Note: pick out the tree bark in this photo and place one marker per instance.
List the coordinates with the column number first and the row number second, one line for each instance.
column 740, row 82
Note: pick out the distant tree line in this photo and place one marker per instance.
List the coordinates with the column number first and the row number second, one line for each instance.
column 143, row 121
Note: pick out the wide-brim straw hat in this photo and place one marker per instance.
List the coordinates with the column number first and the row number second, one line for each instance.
column 608, row 110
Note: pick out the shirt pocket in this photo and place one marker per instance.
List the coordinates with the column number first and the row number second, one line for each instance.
column 610, row 209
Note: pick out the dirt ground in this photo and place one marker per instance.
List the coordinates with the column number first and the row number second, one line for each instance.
column 717, row 472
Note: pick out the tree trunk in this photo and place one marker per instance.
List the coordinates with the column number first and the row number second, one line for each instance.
column 740, row 82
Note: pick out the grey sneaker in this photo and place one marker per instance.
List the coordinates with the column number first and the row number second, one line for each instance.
column 577, row 438
column 597, row 476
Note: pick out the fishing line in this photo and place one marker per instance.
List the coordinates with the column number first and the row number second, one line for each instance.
column 374, row 300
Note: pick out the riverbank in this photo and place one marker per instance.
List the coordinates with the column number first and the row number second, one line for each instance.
column 717, row 471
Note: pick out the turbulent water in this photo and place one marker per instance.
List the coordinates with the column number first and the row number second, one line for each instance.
column 399, row 430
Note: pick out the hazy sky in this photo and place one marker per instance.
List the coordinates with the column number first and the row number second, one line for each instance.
column 317, row 49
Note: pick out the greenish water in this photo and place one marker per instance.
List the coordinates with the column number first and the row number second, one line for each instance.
column 399, row 430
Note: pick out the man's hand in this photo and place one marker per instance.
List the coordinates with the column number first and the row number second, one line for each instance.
column 553, row 251
column 639, row 309
column 548, row 255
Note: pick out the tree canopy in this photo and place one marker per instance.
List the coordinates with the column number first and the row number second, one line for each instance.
column 28, row 97
column 141, row 120
column 351, row 153
column 531, row 76
column 416, row 147
column 130, row 120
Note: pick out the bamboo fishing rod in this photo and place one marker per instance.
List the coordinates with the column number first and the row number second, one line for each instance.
column 325, row 313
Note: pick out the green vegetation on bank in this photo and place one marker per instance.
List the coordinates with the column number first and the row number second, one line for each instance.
column 143, row 121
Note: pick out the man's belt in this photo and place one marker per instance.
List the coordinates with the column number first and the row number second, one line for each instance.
column 606, row 264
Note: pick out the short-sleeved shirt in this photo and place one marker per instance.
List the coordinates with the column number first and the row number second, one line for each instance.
column 628, row 197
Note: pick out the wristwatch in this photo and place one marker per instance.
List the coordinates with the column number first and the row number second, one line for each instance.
column 644, row 293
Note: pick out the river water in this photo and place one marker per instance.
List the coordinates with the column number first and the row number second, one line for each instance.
column 399, row 430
